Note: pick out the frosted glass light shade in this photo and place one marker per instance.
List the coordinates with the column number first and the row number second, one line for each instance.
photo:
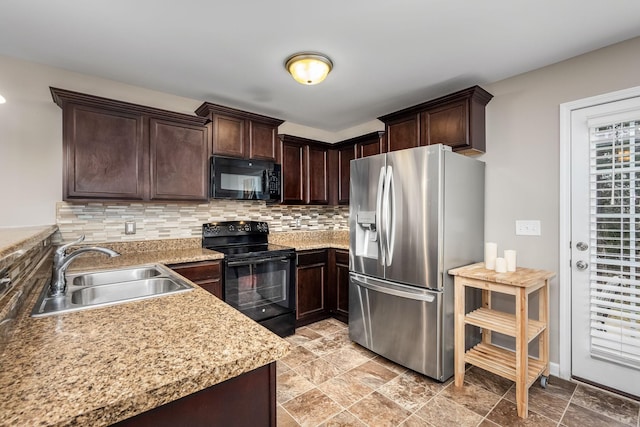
column 308, row 68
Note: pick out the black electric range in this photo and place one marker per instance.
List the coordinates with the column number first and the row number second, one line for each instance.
column 259, row 277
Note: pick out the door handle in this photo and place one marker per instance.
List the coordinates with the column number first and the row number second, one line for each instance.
column 582, row 246
column 581, row 265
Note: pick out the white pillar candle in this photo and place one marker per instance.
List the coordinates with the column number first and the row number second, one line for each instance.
column 501, row 265
column 490, row 254
column 510, row 256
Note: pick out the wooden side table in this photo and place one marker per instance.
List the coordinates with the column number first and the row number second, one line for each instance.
column 516, row 366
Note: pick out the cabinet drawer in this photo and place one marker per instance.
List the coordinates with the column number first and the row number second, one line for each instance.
column 342, row 257
column 199, row 271
column 312, row 257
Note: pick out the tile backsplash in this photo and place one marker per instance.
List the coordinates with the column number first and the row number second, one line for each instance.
column 105, row 222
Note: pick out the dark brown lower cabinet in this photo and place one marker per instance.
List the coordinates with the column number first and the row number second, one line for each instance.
column 322, row 285
column 246, row 400
column 311, row 286
column 206, row 274
column 339, row 284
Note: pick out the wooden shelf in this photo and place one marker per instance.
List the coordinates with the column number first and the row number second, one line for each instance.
column 503, row 323
column 502, row 362
column 515, row 365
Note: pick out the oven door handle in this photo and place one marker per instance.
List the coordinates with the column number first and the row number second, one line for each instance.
column 257, row 261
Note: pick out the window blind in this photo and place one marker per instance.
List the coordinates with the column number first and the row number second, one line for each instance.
column 614, row 233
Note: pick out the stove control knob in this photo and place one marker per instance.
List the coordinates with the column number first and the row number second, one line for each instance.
column 247, row 227
column 232, row 228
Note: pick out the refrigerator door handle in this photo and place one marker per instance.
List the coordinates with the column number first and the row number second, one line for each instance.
column 394, row 290
column 379, row 222
column 390, row 226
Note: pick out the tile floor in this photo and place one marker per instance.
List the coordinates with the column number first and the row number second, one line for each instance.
column 326, row 380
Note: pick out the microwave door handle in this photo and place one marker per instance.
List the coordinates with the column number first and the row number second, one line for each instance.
column 390, row 217
column 379, row 219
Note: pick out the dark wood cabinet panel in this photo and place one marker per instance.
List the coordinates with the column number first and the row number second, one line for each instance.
column 263, row 141
column 345, row 155
column 223, row 404
column 318, row 176
column 311, row 283
column 373, row 144
column 305, row 171
column 176, row 152
column 340, row 162
column 445, row 125
column 293, row 173
column 457, row 120
column 228, row 136
column 206, row 274
column 338, row 287
column 241, row 134
column 115, row 150
column 403, row 133
column 104, row 153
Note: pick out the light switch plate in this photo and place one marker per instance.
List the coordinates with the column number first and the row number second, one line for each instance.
column 528, row 228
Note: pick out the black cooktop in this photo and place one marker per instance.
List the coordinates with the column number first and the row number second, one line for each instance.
column 241, row 239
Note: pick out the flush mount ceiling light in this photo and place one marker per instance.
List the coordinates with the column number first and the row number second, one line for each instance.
column 2, row 100
column 308, row 68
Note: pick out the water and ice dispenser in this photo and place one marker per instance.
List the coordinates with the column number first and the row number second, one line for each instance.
column 366, row 235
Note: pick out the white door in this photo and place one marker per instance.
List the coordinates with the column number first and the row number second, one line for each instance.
column 605, row 245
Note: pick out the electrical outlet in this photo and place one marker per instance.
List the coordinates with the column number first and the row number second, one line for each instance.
column 528, row 228
column 130, row 227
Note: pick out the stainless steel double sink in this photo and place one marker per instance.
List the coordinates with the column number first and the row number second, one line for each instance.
column 95, row 289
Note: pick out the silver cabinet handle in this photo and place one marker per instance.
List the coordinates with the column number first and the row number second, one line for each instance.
column 581, row 265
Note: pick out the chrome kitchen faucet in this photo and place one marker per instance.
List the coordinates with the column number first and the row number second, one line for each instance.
column 61, row 262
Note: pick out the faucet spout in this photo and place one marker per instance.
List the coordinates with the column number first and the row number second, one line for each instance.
column 58, row 280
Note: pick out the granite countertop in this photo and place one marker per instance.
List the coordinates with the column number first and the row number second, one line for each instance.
column 99, row 366
column 306, row 240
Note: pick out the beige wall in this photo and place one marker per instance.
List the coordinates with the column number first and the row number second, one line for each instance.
column 523, row 151
column 522, row 143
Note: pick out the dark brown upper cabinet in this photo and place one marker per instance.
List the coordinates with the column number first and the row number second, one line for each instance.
column 340, row 162
column 241, row 134
column 115, row 150
column 457, row 120
column 305, row 173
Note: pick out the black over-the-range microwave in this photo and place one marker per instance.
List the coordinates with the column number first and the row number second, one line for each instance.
column 244, row 179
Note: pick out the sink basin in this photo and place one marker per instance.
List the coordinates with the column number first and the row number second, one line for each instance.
column 137, row 289
column 114, row 276
column 108, row 287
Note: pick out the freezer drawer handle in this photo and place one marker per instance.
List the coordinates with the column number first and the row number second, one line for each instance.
column 398, row 292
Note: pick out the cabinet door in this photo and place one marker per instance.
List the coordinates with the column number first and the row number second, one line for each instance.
column 206, row 274
column 342, row 284
column 311, row 277
column 446, row 124
column 229, row 135
column 179, row 161
column 317, row 176
column 403, row 133
column 263, row 141
column 371, row 148
column 345, row 155
column 293, row 173
column 104, row 154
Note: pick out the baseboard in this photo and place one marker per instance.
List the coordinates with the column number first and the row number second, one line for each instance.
column 554, row 369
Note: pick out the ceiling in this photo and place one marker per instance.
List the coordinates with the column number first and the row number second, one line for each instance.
column 387, row 54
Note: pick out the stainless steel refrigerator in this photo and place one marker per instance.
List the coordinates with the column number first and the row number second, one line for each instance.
column 413, row 215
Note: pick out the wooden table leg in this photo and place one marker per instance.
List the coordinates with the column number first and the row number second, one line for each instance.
column 459, row 346
column 486, row 303
column 543, row 316
column 522, row 352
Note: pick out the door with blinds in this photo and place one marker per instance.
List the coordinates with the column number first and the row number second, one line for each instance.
column 605, row 245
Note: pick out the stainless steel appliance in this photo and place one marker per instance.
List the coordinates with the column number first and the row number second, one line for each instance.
column 259, row 277
column 413, row 215
column 244, row 179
